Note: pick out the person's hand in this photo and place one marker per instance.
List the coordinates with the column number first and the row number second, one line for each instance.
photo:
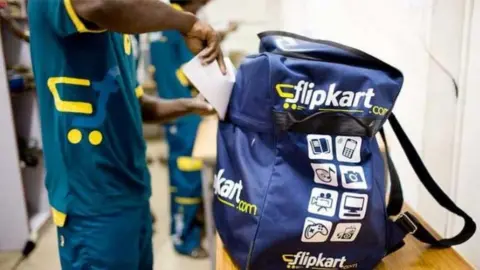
column 199, row 105
column 204, row 41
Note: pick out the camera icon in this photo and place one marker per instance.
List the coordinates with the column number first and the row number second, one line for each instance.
column 353, row 177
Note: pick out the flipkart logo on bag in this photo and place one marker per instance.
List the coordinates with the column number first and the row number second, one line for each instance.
column 304, row 95
column 228, row 192
column 303, row 260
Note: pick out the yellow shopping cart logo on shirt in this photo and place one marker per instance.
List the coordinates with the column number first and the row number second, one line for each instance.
column 105, row 88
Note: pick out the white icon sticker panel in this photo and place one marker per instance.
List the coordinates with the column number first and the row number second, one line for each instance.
column 353, row 206
column 353, row 177
column 325, row 174
column 323, row 202
column 320, row 147
column 346, row 232
column 348, row 149
column 316, row 230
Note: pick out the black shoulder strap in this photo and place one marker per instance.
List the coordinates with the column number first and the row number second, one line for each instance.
column 395, row 201
column 407, row 221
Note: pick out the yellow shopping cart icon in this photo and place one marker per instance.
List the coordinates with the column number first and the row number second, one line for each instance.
column 107, row 86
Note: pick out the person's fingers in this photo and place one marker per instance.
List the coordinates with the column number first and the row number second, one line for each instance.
column 209, row 107
column 208, row 49
column 203, row 106
column 217, row 55
column 194, row 44
column 210, row 58
column 221, row 62
column 207, row 55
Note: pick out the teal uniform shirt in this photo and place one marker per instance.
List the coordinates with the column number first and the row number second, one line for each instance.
column 90, row 113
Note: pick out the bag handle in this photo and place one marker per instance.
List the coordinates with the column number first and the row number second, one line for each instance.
column 277, row 41
column 407, row 221
column 298, row 46
column 326, row 122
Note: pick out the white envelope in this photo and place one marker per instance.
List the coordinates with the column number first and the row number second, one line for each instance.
column 211, row 83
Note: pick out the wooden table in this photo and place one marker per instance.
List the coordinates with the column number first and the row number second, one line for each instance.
column 414, row 255
column 205, row 148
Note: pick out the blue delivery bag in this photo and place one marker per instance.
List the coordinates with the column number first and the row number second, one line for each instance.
column 300, row 182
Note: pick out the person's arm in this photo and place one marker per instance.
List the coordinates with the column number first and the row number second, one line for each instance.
column 141, row 16
column 134, row 16
column 158, row 110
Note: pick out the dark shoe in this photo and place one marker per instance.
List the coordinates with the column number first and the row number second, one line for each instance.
column 163, row 160
column 154, row 220
column 149, row 160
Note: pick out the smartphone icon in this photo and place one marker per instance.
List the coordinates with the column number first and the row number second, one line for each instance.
column 349, row 148
column 316, row 146
column 320, row 146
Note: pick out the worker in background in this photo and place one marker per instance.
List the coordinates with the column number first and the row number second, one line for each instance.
column 168, row 53
column 137, row 54
column 91, row 110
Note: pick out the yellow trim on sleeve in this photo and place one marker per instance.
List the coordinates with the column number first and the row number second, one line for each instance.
column 189, row 164
column 59, row 218
column 69, row 106
column 79, row 25
column 127, row 44
column 177, row 7
column 187, row 200
column 139, row 91
column 181, row 77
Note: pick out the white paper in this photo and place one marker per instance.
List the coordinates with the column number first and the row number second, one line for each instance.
column 211, row 83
